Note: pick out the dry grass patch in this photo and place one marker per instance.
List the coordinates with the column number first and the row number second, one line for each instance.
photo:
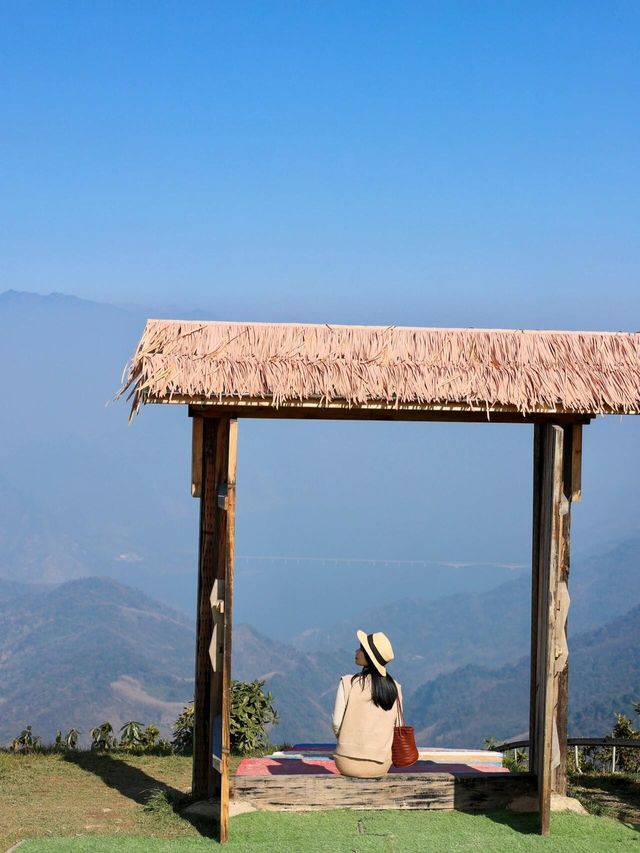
column 86, row 793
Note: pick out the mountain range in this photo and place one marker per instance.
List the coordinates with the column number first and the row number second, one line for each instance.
column 76, row 653
column 604, row 678
column 83, row 496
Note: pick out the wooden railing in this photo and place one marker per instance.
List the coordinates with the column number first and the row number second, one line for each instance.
column 576, row 743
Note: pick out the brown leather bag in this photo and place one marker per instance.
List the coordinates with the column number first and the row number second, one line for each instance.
column 404, row 751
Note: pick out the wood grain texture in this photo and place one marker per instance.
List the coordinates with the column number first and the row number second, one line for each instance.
column 196, row 456
column 227, row 568
column 538, row 444
column 341, row 411
column 572, row 476
column 216, row 781
column 551, row 504
column 576, row 463
column 463, row 792
column 202, row 736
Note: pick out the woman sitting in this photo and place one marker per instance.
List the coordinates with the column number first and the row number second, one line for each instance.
column 366, row 710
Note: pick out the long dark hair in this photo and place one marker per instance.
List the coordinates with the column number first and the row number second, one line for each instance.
column 383, row 688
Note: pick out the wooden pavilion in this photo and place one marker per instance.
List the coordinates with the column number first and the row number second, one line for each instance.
column 557, row 381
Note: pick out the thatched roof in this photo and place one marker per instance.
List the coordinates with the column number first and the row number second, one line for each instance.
column 251, row 364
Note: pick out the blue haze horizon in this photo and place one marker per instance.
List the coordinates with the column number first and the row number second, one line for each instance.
column 450, row 165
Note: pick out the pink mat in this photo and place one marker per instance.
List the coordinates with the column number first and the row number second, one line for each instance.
column 310, row 767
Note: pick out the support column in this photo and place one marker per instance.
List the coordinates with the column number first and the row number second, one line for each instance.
column 216, row 486
column 554, row 478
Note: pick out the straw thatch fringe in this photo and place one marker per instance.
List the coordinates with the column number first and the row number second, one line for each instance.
column 581, row 372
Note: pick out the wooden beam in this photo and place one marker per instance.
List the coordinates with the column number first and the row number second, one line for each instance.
column 553, row 460
column 228, row 624
column 202, row 734
column 463, row 792
column 538, row 442
column 221, row 610
column 196, row 456
column 215, row 607
column 372, row 412
column 576, row 463
column 572, row 447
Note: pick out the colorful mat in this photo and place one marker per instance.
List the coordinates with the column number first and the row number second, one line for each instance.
column 317, row 766
column 435, row 754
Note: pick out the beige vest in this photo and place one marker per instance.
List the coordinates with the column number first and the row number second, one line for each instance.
column 366, row 731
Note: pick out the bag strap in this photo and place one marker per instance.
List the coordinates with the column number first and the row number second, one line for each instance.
column 399, row 712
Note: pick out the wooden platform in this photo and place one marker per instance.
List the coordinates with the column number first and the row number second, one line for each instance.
column 463, row 791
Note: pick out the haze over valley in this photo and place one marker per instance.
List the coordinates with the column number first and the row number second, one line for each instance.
column 420, row 530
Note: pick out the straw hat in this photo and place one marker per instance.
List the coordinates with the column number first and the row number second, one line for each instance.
column 378, row 648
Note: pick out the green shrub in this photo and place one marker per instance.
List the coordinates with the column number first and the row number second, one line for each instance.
column 183, row 731
column 627, row 760
column 251, row 712
column 26, row 742
column 131, row 736
column 69, row 741
column 102, row 738
column 139, row 739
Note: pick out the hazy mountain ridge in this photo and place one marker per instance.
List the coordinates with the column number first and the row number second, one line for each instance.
column 303, row 685
column 474, row 702
column 89, row 650
column 487, row 629
column 68, row 510
column 92, row 649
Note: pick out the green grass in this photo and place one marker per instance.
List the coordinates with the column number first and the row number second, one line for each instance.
column 89, row 802
column 391, row 832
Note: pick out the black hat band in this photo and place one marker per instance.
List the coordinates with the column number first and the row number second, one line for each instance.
column 376, row 653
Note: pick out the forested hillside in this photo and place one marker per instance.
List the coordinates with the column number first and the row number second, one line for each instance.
column 86, row 651
column 78, row 653
column 472, row 703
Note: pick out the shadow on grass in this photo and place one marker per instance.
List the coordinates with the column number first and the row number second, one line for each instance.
column 138, row 786
column 615, row 796
column 525, row 823
column 490, row 793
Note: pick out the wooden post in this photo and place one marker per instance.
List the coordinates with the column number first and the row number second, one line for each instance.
column 571, row 490
column 538, row 439
column 556, row 476
column 202, row 736
column 196, row 457
column 222, row 607
column 215, row 600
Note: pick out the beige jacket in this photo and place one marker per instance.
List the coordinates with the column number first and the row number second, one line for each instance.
column 363, row 731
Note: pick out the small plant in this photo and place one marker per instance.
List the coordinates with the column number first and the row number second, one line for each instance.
column 627, row 760
column 150, row 737
column 25, row 742
column 102, row 738
column 71, row 738
column 518, row 762
column 131, row 736
column 69, row 741
column 137, row 738
column 158, row 802
column 183, row 731
column 251, row 712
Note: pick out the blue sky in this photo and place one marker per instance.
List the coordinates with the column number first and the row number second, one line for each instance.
column 453, row 163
